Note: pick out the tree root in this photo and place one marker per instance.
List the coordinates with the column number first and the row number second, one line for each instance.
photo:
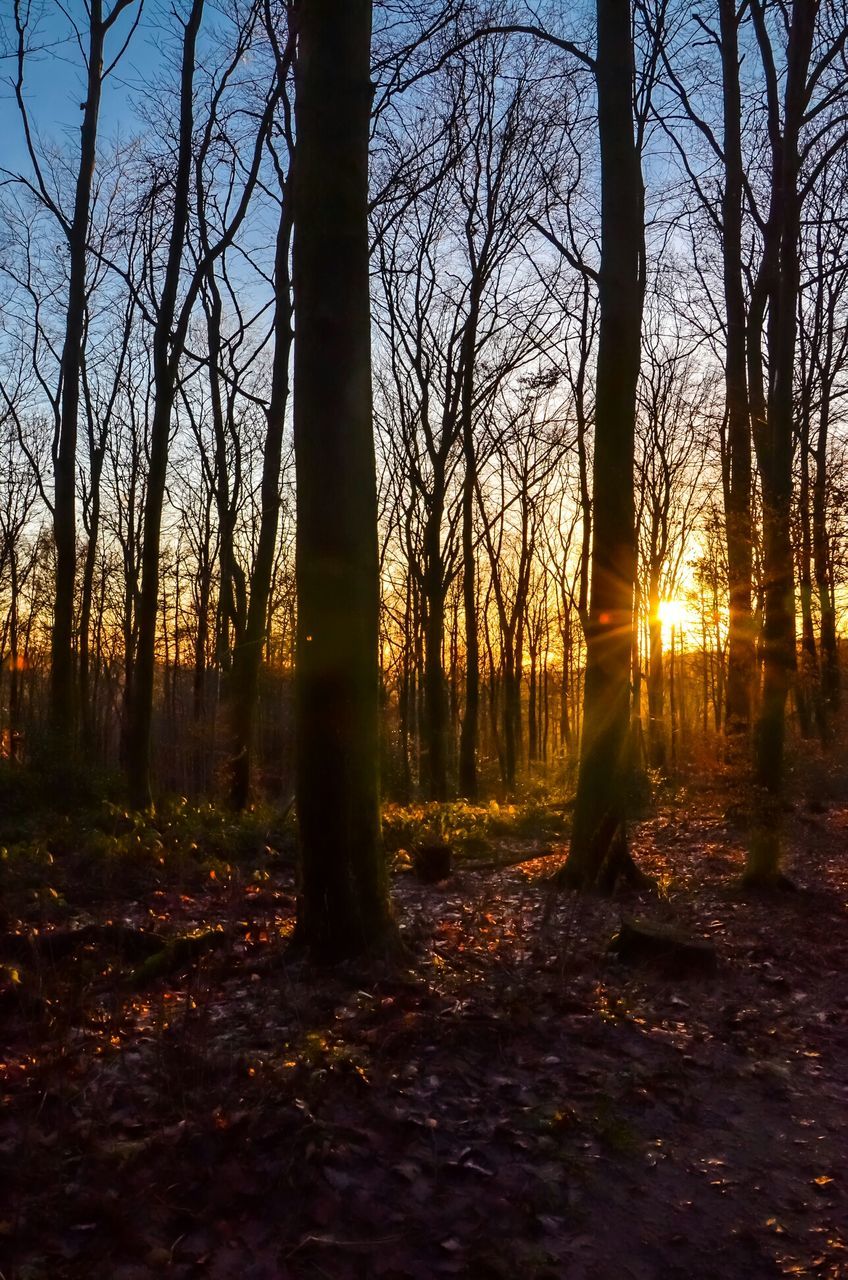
column 767, row 882
column 664, row 947
column 56, row 945
column 176, row 955
column 614, row 870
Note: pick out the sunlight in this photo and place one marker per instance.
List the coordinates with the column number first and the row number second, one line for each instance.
column 673, row 616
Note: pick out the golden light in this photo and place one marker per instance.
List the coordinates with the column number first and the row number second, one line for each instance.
column 672, row 615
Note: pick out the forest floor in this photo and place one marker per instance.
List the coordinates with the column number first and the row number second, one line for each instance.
column 510, row 1102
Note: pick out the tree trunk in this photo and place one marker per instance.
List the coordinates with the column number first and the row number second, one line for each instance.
column 469, row 732
column 738, row 492
column 228, row 620
column 435, row 693
column 470, row 720
column 809, row 683
column 87, row 599
column 247, row 656
column 656, row 689
column 564, row 691
column 511, row 694
column 598, row 853
column 532, row 703
column 164, row 379
column 62, row 681
column 822, row 564
column 775, row 450
column 343, row 905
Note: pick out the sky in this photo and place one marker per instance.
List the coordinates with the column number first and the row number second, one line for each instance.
column 55, row 73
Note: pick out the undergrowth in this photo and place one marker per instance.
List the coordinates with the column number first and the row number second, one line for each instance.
column 472, row 828
column 104, row 851
column 60, row 854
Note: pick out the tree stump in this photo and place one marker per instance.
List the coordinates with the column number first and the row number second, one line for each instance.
column 662, row 947
column 432, row 862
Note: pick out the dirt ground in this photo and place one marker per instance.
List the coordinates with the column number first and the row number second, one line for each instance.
column 509, row 1102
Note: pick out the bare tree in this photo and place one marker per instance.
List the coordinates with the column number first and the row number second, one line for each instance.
column 91, row 37
column 343, row 903
column 170, row 328
column 598, row 853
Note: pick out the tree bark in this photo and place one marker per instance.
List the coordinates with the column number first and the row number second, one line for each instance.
column 656, row 686
column 62, row 677
column 740, row 667
column 598, row 853
column 830, row 674
column 469, row 731
column 343, row 905
column 775, row 442
column 435, row 690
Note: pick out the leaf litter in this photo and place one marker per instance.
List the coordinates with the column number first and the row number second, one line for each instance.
column 508, row 1101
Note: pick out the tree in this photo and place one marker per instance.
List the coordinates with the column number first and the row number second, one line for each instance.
column 674, row 487
column 777, row 290
column 823, row 351
column 527, row 453
column 460, row 314
column 170, row 328
column 598, row 854
column 725, row 216
column 247, row 655
column 75, row 228
column 740, row 648
column 343, row 903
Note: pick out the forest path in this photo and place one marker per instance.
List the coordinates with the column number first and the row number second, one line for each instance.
column 513, row 1103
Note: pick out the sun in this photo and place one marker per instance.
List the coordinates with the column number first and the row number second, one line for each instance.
column 672, row 615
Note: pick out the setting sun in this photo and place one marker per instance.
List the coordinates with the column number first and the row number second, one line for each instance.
column 672, row 615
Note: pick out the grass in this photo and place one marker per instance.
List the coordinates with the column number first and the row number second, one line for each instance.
column 472, row 828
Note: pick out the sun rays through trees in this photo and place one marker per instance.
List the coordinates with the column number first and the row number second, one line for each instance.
column 607, row 410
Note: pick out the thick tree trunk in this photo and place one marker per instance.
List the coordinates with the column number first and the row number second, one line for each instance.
column 598, row 853
column 343, row 904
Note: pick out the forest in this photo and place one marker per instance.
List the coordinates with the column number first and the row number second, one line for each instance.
column 423, row 598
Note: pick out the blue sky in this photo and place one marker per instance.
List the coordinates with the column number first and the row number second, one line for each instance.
column 55, row 75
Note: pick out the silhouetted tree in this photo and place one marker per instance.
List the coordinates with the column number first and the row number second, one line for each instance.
column 343, row 905
column 598, row 854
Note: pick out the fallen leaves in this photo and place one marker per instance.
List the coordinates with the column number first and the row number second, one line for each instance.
column 513, row 1103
